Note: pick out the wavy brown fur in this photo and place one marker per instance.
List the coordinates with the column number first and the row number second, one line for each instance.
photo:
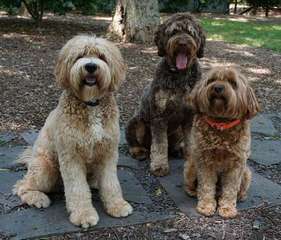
column 162, row 117
column 220, row 156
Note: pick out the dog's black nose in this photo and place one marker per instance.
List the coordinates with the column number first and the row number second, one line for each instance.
column 91, row 67
column 219, row 88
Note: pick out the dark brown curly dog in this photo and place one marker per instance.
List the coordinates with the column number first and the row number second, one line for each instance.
column 160, row 117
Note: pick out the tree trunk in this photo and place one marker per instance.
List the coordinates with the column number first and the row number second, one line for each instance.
column 235, row 6
column 135, row 21
column 266, row 11
column 35, row 9
column 23, row 10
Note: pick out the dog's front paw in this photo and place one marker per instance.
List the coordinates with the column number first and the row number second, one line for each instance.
column 159, row 170
column 84, row 217
column 227, row 211
column 119, row 209
column 207, row 208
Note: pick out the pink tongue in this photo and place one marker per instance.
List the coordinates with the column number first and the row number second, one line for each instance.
column 181, row 61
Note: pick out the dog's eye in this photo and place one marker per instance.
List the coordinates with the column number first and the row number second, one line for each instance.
column 80, row 56
column 210, row 80
column 102, row 57
column 233, row 83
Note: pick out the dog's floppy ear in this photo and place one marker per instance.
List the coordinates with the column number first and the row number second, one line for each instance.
column 192, row 99
column 159, row 39
column 202, row 36
column 61, row 72
column 253, row 105
column 117, row 66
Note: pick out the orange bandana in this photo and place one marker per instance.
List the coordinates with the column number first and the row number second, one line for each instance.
column 222, row 125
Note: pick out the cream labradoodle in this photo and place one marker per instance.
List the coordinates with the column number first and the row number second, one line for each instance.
column 79, row 141
column 220, row 141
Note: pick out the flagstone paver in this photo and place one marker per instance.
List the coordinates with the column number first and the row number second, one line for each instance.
column 6, row 137
column 31, row 222
column 262, row 124
column 266, row 151
column 8, row 155
column 262, row 190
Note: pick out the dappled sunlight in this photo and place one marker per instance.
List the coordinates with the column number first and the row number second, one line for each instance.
column 260, row 71
column 7, row 72
column 151, row 50
column 238, row 51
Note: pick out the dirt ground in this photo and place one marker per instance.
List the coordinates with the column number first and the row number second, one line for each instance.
column 29, row 93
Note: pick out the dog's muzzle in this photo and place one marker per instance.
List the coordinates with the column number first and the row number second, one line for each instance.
column 90, row 78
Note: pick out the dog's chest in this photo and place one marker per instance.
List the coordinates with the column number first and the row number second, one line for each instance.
column 94, row 134
column 169, row 101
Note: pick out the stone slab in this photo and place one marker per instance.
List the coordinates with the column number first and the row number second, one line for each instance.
column 266, row 151
column 262, row 190
column 6, row 137
column 30, row 136
column 8, row 155
column 262, row 124
column 31, row 222
column 125, row 161
column 122, row 136
column 35, row 223
column 7, row 200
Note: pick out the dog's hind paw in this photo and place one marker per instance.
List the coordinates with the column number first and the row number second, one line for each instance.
column 36, row 198
column 227, row 211
column 139, row 153
column 206, row 208
column 159, row 171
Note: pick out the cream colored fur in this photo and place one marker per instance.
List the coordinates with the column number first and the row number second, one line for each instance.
column 79, row 143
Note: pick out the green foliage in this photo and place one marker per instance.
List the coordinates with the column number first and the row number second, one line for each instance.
column 264, row 3
column 266, row 35
column 11, row 6
column 219, row 6
column 173, row 5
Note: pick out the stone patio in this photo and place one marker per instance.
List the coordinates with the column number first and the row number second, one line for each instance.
column 20, row 221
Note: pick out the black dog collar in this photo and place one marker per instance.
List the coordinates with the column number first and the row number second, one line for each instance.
column 93, row 103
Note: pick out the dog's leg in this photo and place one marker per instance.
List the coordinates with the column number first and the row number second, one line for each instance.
column 231, row 182
column 110, row 189
column 206, row 191
column 41, row 177
column 176, row 143
column 245, row 184
column 190, row 178
column 135, row 136
column 77, row 190
column 159, row 165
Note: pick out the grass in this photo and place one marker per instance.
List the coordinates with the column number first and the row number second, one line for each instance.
column 256, row 34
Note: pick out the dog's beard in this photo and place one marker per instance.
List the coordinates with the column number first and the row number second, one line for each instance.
column 218, row 105
column 90, row 85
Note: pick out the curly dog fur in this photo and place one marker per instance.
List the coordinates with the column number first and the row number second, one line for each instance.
column 162, row 116
column 79, row 141
column 219, row 142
